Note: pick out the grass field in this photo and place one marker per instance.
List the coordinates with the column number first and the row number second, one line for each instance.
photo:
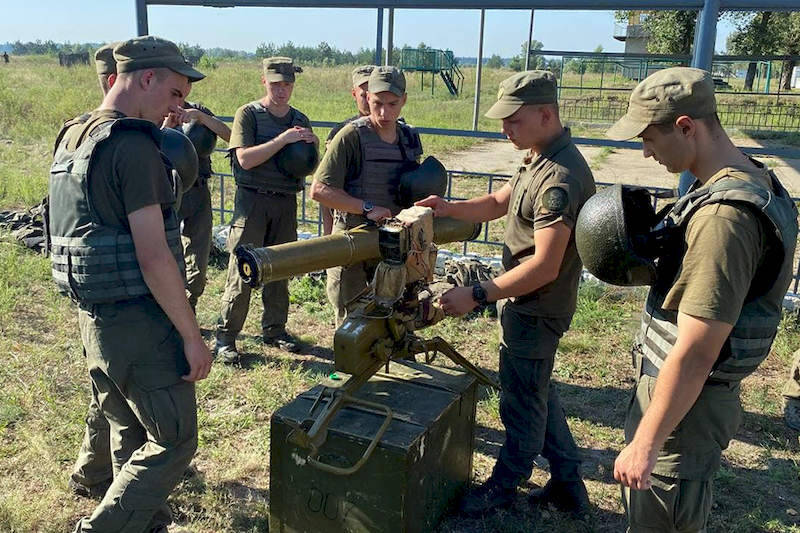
column 44, row 389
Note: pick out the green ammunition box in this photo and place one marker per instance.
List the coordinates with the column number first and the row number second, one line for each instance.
column 417, row 471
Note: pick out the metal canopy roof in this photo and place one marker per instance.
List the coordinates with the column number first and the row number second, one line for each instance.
column 725, row 5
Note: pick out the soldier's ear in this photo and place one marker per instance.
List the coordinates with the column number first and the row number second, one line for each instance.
column 403, row 100
column 111, row 79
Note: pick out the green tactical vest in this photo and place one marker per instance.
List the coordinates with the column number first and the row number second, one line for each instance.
column 752, row 335
column 93, row 263
column 382, row 164
column 266, row 177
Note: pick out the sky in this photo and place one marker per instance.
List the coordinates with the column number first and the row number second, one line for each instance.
column 244, row 28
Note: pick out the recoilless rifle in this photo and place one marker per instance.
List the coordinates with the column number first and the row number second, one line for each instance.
column 381, row 323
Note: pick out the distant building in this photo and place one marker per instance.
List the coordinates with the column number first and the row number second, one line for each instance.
column 633, row 34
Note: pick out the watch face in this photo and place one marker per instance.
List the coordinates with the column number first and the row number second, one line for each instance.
column 368, row 206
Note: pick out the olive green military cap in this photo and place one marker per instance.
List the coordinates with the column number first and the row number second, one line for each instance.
column 662, row 97
column 361, row 74
column 153, row 52
column 525, row 88
column 384, row 79
column 104, row 60
column 280, row 69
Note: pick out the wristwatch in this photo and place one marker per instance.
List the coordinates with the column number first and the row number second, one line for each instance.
column 366, row 207
column 479, row 294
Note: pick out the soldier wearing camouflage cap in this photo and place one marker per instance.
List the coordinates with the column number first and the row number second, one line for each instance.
column 106, row 66
column 265, row 211
column 713, row 311
column 536, row 294
column 93, row 473
column 358, row 175
column 359, row 92
column 143, row 347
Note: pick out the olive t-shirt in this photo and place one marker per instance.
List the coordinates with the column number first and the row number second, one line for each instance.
column 725, row 245
column 548, row 188
column 337, row 128
column 243, row 131
column 127, row 173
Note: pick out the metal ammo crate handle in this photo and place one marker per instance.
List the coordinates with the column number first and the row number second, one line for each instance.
column 341, row 471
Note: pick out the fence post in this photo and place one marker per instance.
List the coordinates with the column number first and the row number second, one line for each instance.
column 705, row 37
column 141, row 17
column 478, row 74
column 530, row 37
column 390, row 38
column 379, row 37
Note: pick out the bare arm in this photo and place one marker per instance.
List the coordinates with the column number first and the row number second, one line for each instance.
column 536, row 272
column 678, row 386
column 161, row 274
column 211, row 122
column 481, row 209
column 539, row 270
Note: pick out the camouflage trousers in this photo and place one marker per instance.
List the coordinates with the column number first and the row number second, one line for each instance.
column 135, row 359
column 530, row 408
column 792, row 388
column 196, row 221
column 93, row 467
column 260, row 220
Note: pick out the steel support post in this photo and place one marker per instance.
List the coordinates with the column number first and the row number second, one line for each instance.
column 530, row 39
column 478, row 70
column 705, row 36
column 141, row 17
column 390, row 38
column 379, row 37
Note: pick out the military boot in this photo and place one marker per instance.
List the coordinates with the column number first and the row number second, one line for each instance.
column 487, row 498
column 791, row 413
column 93, row 492
column 283, row 341
column 566, row 496
column 226, row 351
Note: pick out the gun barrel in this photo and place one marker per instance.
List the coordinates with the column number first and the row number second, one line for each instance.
column 258, row 266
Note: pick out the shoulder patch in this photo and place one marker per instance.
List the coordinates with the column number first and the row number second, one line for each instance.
column 555, row 199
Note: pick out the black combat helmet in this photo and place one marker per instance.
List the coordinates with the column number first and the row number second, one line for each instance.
column 428, row 178
column 181, row 155
column 616, row 235
column 203, row 139
column 298, row 159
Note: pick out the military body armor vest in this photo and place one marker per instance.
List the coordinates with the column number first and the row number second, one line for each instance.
column 752, row 335
column 92, row 262
column 382, row 164
column 266, row 177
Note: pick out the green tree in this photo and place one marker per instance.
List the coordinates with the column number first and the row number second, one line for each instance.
column 751, row 37
column 495, row 62
column 536, row 62
column 597, row 65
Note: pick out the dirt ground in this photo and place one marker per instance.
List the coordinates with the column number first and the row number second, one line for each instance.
column 617, row 166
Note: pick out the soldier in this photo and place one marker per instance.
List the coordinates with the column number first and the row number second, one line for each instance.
column 791, row 395
column 105, row 66
column 359, row 172
column 265, row 211
column 713, row 308
column 536, row 294
column 195, row 209
column 144, row 350
column 5, row 57
column 359, row 92
column 93, row 473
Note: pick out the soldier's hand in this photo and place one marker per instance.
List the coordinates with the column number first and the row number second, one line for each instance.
column 457, row 301
column 199, row 359
column 378, row 213
column 295, row 134
column 190, row 114
column 172, row 120
column 634, row 465
column 439, row 205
